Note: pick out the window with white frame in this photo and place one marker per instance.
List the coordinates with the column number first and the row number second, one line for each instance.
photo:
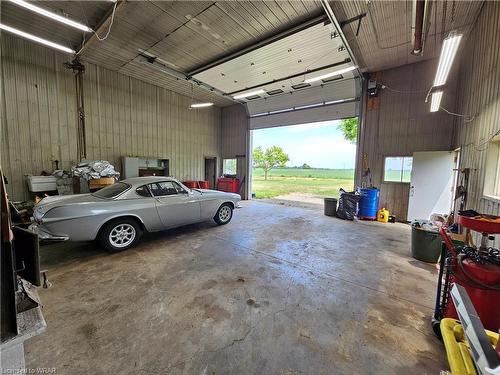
column 397, row 169
column 229, row 166
column 492, row 172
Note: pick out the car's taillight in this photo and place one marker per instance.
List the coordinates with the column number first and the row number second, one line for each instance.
column 37, row 217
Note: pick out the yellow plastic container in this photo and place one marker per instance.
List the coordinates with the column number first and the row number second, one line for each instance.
column 383, row 215
column 457, row 348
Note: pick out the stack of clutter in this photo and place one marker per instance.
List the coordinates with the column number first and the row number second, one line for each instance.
column 435, row 222
column 427, row 225
column 64, row 181
column 91, row 170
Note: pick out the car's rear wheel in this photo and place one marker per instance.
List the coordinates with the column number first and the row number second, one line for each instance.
column 224, row 214
column 120, row 234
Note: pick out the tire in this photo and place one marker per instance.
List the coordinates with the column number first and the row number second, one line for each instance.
column 437, row 328
column 224, row 214
column 120, row 234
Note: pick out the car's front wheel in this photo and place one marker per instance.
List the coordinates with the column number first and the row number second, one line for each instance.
column 120, row 234
column 224, row 214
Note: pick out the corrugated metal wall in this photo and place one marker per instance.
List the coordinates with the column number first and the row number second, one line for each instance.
column 234, row 141
column 234, row 131
column 479, row 96
column 128, row 117
column 38, row 112
column 401, row 124
column 124, row 117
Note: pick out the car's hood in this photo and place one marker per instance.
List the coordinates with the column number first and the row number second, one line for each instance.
column 48, row 203
column 219, row 194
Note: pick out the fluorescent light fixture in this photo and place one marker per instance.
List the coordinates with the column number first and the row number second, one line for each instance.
column 328, row 75
column 436, row 100
column 448, row 52
column 54, row 16
column 201, row 105
column 36, row 39
column 251, row 93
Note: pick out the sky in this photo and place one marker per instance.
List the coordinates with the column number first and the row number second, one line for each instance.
column 320, row 144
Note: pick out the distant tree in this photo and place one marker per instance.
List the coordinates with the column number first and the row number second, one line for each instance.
column 349, row 128
column 272, row 157
column 306, row 166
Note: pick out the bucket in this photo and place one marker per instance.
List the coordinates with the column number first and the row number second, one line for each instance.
column 425, row 245
column 330, row 206
column 368, row 204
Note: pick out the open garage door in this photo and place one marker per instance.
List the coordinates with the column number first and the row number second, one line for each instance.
column 304, row 75
column 306, row 114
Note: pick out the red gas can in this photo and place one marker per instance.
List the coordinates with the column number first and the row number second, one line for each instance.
column 203, row 185
column 191, row 184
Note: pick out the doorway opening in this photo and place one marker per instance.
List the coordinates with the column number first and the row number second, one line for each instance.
column 303, row 163
column 211, row 171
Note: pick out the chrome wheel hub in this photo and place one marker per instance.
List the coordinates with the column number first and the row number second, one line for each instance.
column 224, row 214
column 122, row 235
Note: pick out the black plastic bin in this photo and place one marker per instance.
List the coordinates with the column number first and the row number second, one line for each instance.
column 331, row 206
column 425, row 244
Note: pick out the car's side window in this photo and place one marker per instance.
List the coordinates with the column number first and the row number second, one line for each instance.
column 161, row 189
column 143, row 191
column 179, row 188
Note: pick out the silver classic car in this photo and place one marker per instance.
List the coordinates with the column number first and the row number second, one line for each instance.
column 118, row 214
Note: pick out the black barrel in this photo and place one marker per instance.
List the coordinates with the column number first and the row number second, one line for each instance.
column 331, row 206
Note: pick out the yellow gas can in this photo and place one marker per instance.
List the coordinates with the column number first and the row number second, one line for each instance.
column 383, row 215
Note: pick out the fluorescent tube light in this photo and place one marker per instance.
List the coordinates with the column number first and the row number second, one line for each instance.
column 448, row 52
column 201, row 105
column 328, row 75
column 49, row 14
column 251, row 93
column 36, row 39
column 436, row 100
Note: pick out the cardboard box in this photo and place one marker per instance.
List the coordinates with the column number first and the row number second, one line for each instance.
column 101, row 182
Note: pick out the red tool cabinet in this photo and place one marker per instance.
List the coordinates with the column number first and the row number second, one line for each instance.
column 228, row 184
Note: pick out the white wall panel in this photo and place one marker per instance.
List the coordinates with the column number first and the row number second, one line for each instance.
column 305, row 50
column 345, row 89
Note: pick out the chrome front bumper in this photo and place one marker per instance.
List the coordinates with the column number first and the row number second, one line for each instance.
column 46, row 236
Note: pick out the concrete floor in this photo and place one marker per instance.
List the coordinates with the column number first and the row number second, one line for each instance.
column 279, row 290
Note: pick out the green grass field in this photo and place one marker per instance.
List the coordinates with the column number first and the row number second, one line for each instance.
column 317, row 182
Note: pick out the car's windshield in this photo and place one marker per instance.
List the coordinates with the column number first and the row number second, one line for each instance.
column 112, row 191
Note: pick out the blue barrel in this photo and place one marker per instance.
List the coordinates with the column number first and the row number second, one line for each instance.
column 368, row 204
